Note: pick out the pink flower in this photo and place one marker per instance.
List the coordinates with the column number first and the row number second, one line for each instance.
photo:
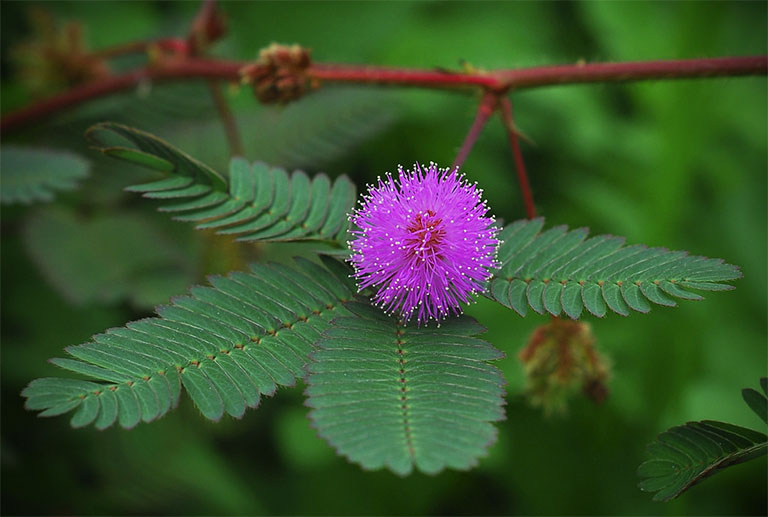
column 423, row 242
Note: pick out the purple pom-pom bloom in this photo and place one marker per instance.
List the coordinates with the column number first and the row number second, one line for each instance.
column 424, row 242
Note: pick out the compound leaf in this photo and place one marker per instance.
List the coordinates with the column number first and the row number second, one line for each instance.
column 32, row 174
column 226, row 345
column 387, row 395
column 560, row 271
column 258, row 202
column 685, row 455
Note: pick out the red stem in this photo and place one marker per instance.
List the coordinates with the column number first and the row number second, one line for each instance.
column 485, row 109
column 522, row 176
column 501, row 80
column 497, row 81
column 401, row 76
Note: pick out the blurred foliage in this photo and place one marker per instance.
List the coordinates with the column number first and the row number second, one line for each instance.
column 673, row 163
column 35, row 174
column 108, row 257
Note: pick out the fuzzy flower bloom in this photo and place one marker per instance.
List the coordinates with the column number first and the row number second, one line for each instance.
column 423, row 242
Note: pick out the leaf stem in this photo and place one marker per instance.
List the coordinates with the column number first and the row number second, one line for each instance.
column 522, row 176
column 485, row 109
column 227, row 119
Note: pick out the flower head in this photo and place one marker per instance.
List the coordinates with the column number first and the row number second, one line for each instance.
column 424, row 242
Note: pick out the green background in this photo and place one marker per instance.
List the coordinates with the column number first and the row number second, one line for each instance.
column 680, row 164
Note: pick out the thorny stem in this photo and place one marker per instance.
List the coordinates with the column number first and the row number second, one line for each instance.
column 402, row 77
column 485, row 109
column 633, row 71
column 522, row 176
column 227, row 118
column 498, row 81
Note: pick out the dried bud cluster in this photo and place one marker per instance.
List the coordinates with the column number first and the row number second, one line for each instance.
column 280, row 73
column 56, row 56
column 559, row 360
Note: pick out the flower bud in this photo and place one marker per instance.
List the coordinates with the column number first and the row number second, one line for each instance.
column 280, row 73
column 208, row 27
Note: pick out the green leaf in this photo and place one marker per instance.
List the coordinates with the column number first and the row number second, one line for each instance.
column 558, row 271
column 150, row 161
column 757, row 402
column 32, row 174
column 227, row 345
column 259, row 203
column 684, row 455
column 387, row 395
column 150, row 151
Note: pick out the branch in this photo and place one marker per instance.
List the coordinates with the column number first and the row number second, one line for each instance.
column 522, row 176
column 488, row 105
column 498, row 81
column 502, row 80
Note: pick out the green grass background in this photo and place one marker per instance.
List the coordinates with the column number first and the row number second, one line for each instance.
column 680, row 164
